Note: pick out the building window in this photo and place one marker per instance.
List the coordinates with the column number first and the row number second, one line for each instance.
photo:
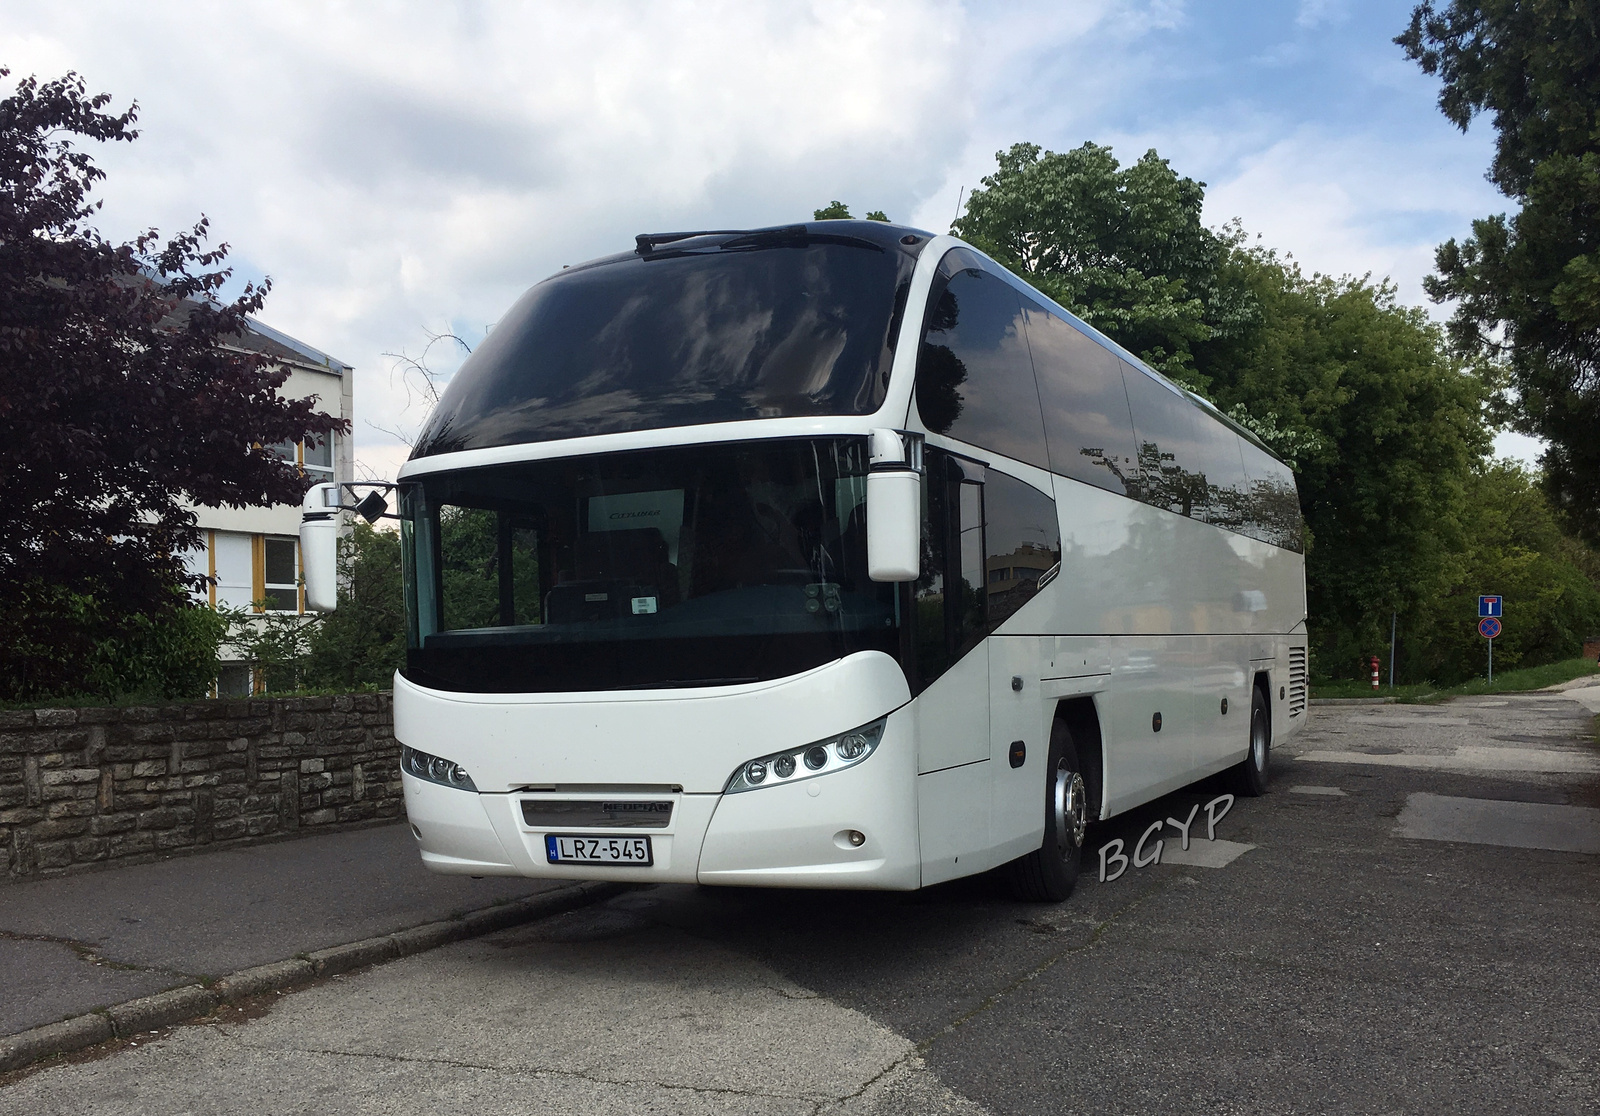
column 234, row 569
column 234, row 680
column 318, row 460
column 281, row 585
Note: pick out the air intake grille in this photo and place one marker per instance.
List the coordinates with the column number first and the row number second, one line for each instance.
column 1297, row 681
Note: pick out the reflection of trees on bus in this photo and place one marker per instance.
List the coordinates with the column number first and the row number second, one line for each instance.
column 1269, row 510
column 940, row 373
column 472, row 582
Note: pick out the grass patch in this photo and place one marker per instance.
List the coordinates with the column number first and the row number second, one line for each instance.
column 1507, row 682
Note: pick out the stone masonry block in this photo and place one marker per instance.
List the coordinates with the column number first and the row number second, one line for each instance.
column 50, row 855
column 57, row 829
column 69, row 775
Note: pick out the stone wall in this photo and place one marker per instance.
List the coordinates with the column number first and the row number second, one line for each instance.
column 80, row 787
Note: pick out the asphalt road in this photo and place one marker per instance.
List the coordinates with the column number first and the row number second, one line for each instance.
column 1407, row 923
column 77, row 943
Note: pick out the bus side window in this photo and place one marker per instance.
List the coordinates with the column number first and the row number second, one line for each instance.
column 1273, row 506
column 1023, row 543
column 1086, row 419
column 949, row 596
column 974, row 372
column 1167, row 428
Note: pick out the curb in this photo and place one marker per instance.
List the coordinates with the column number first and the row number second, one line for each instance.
column 149, row 1013
column 1354, row 701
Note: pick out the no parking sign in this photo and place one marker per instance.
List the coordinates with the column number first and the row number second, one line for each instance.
column 1489, row 625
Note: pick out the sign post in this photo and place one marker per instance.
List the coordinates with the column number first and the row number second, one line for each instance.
column 1489, row 625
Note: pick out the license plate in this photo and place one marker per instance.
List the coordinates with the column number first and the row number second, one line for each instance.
column 634, row 851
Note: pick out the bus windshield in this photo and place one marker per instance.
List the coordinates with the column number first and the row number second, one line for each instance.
column 685, row 566
column 712, row 330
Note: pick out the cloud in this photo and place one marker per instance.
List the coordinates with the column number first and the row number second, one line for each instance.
column 1355, row 204
column 416, row 166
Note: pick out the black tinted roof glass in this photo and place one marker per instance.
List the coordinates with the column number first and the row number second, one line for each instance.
column 693, row 333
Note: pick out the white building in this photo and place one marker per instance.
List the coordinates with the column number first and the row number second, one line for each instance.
column 253, row 553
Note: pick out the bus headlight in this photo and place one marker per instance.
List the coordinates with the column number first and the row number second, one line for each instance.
column 809, row 760
column 435, row 769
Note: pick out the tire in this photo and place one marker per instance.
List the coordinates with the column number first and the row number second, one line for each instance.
column 1049, row 873
column 1250, row 777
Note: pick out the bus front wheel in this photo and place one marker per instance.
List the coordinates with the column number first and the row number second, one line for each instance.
column 1049, row 873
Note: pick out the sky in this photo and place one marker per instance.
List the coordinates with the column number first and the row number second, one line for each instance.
column 401, row 170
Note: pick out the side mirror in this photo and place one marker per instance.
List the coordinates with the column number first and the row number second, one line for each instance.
column 894, row 507
column 319, row 546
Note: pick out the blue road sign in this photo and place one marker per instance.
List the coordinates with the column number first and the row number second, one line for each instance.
column 1488, row 606
column 1489, row 627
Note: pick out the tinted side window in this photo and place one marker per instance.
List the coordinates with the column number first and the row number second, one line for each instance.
column 949, row 596
column 1273, row 507
column 974, row 373
column 1086, row 419
column 1167, row 428
column 1022, row 543
column 1219, row 462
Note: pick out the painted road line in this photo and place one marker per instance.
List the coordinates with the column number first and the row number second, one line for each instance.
column 1518, row 825
column 1204, row 854
column 1333, row 792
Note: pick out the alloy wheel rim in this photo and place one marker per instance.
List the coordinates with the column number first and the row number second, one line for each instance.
column 1070, row 810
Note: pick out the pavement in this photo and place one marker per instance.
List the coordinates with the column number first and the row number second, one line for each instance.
column 1401, row 925
column 80, row 943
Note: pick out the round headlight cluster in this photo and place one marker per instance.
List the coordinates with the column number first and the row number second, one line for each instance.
column 820, row 758
column 435, row 769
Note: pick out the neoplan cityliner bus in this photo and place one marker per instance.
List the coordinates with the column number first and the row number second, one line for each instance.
column 830, row 555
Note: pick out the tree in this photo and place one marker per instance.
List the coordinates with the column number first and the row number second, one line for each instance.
column 1387, row 426
column 838, row 211
column 1122, row 248
column 124, row 394
column 1381, row 424
column 363, row 641
column 1527, row 285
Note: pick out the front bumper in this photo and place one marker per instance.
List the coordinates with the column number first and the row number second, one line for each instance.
column 790, row 835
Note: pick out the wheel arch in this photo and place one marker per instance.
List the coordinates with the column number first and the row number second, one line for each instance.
column 1082, row 720
column 1263, row 682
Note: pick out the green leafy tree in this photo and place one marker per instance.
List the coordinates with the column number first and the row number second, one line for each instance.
column 275, row 643
column 363, row 641
column 838, row 211
column 1513, row 546
column 1384, row 426
column 1526, row 286
column 1121, row 247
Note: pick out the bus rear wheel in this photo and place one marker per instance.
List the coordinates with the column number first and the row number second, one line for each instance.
column 1049, row 873
column 1250, row 777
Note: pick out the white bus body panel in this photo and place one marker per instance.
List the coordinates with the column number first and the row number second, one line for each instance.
column 680, row 745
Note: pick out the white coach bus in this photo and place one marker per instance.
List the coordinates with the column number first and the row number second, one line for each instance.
column 830, row 555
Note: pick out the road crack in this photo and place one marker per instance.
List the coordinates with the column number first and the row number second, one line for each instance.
column 592, row 1078
column 995, row 997
column 91, row 956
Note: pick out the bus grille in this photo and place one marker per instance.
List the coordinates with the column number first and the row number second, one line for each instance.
column 1297, row 681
